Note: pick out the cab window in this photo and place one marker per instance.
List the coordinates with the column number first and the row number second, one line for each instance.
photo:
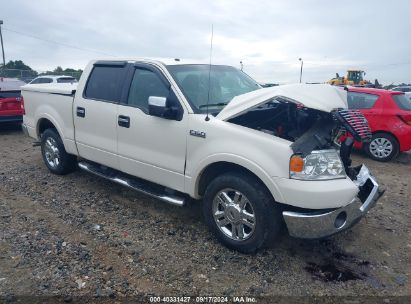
column 105, row 83
column 145, row 83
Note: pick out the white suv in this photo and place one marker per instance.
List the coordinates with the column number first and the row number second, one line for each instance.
column 53, row 79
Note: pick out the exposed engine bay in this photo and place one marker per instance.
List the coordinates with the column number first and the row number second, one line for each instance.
column 308, row 129
column 291, row 121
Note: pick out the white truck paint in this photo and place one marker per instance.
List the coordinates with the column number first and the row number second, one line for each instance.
column 176, row 153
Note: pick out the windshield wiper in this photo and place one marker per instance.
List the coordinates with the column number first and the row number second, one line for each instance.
column 213, row 105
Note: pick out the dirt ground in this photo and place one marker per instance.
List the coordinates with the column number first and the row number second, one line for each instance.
column 79, row 235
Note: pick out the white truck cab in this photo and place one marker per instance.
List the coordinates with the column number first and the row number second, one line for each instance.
column 256, row 157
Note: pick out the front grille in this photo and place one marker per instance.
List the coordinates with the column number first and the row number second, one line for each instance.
column 355, row 123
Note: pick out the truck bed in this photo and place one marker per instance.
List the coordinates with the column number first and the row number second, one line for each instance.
column 52, row 102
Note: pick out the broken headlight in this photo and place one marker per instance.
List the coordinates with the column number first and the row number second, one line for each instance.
column 319, row 165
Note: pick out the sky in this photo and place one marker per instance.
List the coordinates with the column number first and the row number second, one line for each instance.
column 269, row 37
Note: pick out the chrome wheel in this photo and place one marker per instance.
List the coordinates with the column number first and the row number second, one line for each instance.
column 234, row 214
column 51, row 152
column 381, row 147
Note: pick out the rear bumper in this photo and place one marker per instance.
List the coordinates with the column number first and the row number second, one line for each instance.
column 319, row 224
column 11, row 118
column 404, row 138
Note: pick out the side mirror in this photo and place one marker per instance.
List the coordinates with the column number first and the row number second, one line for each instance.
column 158, row 106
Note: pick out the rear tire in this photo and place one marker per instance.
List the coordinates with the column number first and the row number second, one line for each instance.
column 57, row 160
column 241, row 213
column 382, row 147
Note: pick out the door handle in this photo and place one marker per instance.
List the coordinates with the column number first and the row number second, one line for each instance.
column 81, row 112
column 124, row 121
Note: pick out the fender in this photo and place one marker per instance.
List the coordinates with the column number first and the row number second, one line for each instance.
column 193, row 185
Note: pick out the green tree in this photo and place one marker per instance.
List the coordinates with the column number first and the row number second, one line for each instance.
column 17, row 69
column 58, row 70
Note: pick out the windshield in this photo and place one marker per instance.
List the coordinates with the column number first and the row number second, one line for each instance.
column 225, row 83
column 355, row 76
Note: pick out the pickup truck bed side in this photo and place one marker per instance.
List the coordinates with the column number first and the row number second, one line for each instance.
column 51, row 103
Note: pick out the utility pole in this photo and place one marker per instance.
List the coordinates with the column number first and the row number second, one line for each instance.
column 301, row 70
column 2, row 47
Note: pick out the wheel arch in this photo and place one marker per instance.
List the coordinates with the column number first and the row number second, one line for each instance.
column 214, row 169
column 386, row 132
column 45, row 123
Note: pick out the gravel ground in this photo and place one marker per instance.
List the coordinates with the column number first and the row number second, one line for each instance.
column 79, row 235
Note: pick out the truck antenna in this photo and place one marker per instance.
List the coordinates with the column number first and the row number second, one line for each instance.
column 209, row 71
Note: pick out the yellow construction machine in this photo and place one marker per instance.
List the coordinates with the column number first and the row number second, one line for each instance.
column 353, row 78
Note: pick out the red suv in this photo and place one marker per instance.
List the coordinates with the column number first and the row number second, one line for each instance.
column 389, row 116
column 11, row 106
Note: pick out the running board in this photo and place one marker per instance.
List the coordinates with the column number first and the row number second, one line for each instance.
column 134, row 183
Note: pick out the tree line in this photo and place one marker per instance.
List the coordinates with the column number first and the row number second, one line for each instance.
column 18, row 69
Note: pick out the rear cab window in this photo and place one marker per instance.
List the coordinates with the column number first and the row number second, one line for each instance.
column 105, row 82
column 402, row 101
column 358, row 100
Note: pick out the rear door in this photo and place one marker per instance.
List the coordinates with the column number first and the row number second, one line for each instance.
column 95, row 113
column 151, row 147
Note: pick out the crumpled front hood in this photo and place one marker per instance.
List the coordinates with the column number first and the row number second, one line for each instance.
column 323, row 97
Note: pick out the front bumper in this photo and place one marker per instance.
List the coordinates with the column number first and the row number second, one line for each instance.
column 319, row 224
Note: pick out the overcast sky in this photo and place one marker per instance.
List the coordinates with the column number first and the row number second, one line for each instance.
column 268, row 36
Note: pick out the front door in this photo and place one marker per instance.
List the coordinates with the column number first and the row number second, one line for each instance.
column 150, row 147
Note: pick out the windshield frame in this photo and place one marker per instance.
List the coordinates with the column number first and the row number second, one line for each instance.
column 202, row 109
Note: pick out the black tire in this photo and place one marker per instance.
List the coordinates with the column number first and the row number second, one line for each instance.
column 65, row 163
column 385, row 138
column 268, row 219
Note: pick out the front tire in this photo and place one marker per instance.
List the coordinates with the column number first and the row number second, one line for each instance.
column 241, row 212
column 57, row 160
column 382, row 147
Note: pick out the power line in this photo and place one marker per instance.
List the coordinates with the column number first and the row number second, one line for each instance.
column 56, row 42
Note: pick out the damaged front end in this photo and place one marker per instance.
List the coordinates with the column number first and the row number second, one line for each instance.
column 315, row 133
column 310, row 130
column 314, row 224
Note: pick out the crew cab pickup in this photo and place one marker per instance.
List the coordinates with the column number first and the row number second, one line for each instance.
column 258, row 158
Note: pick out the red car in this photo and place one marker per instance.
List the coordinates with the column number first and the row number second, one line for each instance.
column 11, row 102
column 11, row 109
column 389, row 116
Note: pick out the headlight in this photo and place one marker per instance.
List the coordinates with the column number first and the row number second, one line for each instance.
column 319, row 165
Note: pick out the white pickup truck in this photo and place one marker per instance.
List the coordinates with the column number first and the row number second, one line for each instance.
column 257, row 157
